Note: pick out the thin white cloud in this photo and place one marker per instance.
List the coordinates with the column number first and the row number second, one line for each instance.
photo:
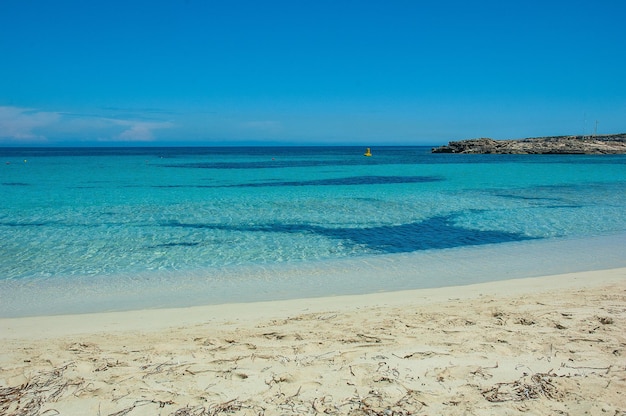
column 139, row 131
column 20, row 124
column 24, row 125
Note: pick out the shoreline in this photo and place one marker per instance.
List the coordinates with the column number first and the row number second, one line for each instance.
column 157, row 319
column 317, row 279
column 543, row 345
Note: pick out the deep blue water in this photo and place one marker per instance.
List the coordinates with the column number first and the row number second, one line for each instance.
column 244, row 223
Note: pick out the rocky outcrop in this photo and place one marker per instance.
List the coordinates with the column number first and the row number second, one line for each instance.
column 608, row 144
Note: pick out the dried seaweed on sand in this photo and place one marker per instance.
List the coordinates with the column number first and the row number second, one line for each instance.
column 29, row 398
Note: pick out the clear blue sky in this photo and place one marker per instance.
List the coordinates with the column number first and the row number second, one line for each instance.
column 308, row 72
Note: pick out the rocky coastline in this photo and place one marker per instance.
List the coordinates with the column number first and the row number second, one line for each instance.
column 588, row 145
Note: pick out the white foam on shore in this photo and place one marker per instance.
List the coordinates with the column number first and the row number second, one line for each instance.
column 383, row 273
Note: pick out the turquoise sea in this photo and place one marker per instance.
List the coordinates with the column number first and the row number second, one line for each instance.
column 95, row 229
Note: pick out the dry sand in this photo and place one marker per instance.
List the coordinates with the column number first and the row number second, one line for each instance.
column 540, row 346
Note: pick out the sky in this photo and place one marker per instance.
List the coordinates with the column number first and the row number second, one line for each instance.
column 320, row 72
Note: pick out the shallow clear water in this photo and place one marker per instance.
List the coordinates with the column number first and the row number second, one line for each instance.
column 99, row 229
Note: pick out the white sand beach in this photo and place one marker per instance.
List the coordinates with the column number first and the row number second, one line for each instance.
column 540, row 346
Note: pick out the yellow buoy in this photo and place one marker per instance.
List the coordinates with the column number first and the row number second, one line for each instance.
column 367, row 152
